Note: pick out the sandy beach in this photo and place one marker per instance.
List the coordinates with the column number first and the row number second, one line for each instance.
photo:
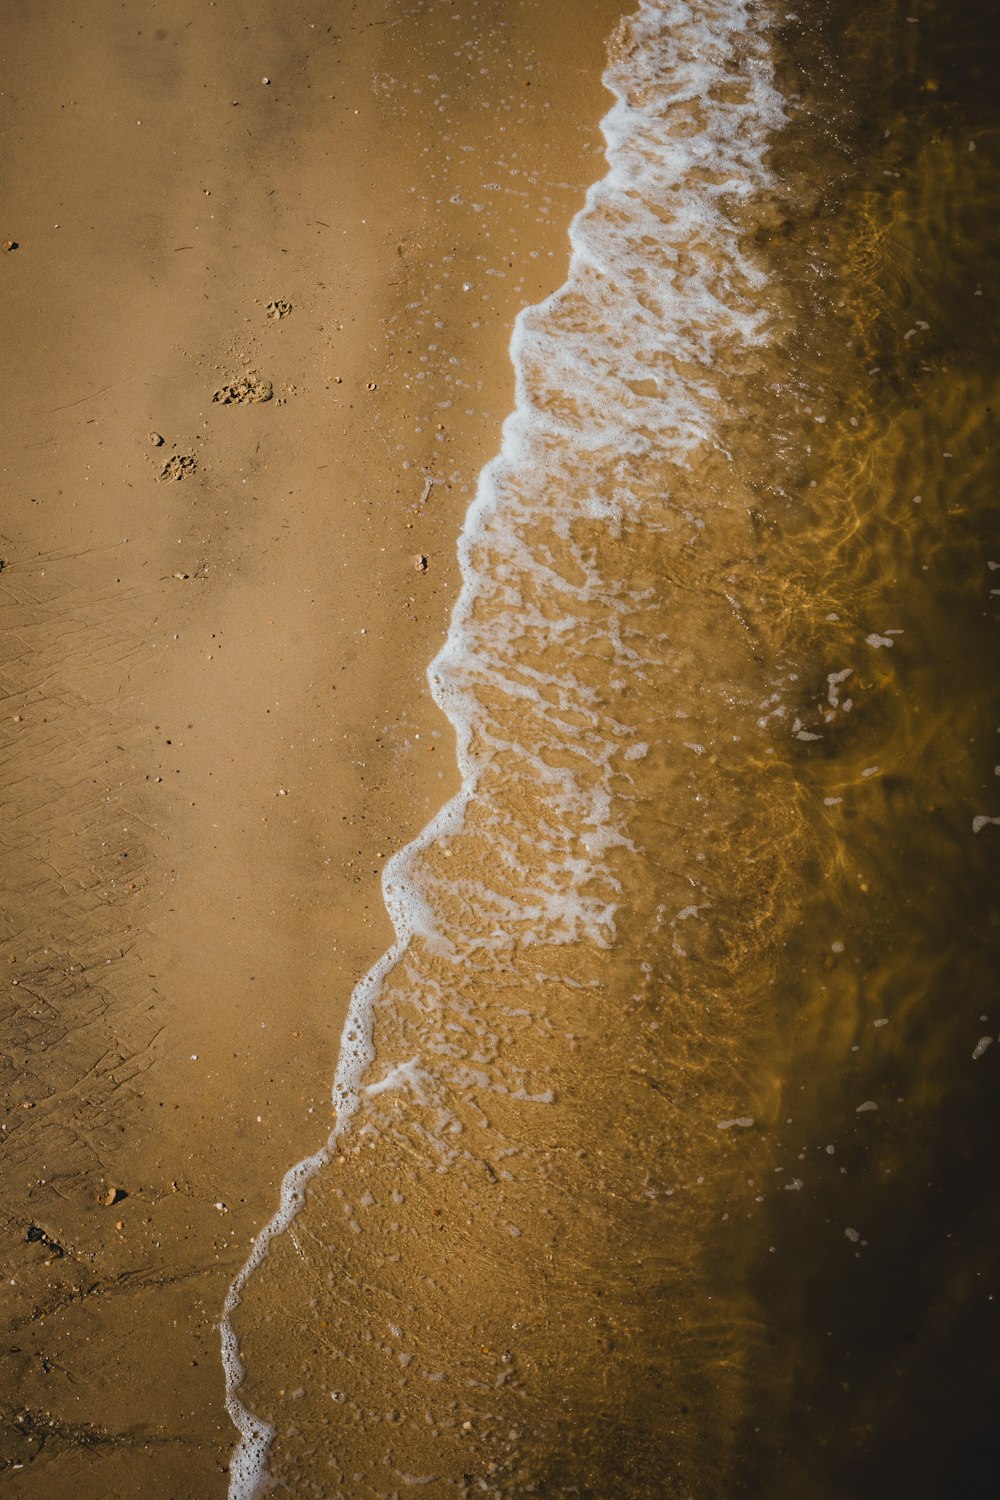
column 499, row 838
column 218, row 609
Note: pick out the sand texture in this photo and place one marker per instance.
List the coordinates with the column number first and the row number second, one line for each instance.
column 241, row 233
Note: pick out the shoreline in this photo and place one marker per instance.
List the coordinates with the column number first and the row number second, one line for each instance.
column 192, row 997
column 652, row 1131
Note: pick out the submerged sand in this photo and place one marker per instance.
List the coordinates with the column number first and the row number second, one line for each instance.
column 216, row 725
column 760, row 1229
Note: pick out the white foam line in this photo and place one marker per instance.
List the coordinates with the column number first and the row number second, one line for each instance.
column 621, row 418
column 248, row 1466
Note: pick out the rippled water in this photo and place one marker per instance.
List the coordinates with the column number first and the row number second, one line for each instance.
column 868, row 1295
column 663, row 1129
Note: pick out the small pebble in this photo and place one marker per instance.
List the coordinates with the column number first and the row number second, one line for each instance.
column 155, row 439
column 420, row 563
column 10, row 245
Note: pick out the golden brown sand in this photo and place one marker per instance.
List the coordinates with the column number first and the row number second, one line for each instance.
column 213, row 684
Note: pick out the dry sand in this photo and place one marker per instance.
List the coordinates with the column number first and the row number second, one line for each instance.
column 215, row 724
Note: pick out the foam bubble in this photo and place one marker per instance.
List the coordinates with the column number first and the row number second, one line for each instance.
column 611, row 371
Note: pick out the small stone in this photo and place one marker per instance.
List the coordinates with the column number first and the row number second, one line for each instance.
column 420, row 563
column 372, row 385
column 36, row 1235
column 279, row 308
column 10, row 245
column 182, row 576
column 155, row 439
column 111, row 1196
column 265, row 80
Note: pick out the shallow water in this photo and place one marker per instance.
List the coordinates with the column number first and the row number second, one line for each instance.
column 868, row 1294
column 662, row 1144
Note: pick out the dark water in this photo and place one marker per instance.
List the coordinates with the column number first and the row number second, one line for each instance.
column 872, row 1293
column 673, row 1172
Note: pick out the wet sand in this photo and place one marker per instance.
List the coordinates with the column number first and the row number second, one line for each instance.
column 215, row 722
column 750, row 1249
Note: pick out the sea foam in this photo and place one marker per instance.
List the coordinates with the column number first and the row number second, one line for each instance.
column 614, row 377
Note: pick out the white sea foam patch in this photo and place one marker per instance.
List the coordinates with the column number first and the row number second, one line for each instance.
column 617, row 374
